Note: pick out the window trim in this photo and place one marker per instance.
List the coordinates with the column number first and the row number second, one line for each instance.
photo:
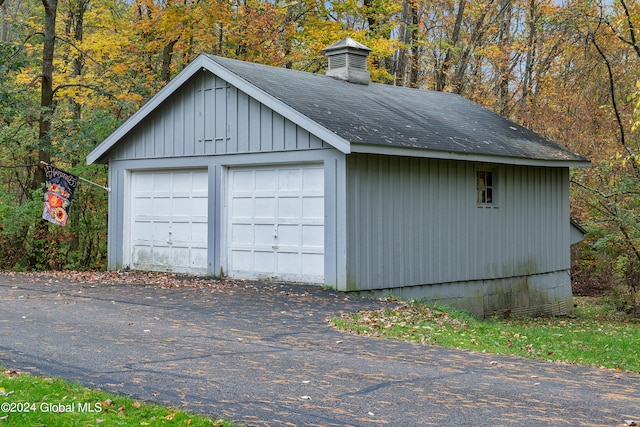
column 488, row 187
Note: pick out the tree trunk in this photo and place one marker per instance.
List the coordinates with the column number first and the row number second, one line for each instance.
column 75, row 29
column 442, row 73
column 408, row 56
column 527, row 79
column 46, row 91
column 479, row 29
column 504, row 64
column 167, row 55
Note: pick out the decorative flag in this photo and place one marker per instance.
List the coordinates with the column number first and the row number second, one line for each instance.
column 58, row 193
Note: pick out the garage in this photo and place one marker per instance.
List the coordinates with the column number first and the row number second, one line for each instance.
column 275, row 222
column 168, row 221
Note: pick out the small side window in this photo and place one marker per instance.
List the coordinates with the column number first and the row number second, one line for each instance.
column 485, row 182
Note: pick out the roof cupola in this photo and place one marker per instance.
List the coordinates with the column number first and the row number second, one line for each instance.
column 348, row 61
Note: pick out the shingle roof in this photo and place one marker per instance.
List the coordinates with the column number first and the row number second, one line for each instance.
column 370, row 118
column 391, row 116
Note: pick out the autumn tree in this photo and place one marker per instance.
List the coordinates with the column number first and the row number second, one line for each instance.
column 72, row 70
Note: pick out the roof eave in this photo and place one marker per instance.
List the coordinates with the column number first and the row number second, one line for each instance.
column 469, row 157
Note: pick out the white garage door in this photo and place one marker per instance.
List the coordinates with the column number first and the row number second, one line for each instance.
column 275, row 219
column 169, row 221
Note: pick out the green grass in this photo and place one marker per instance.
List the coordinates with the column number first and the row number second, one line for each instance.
column 27, row 400
column 597, row 336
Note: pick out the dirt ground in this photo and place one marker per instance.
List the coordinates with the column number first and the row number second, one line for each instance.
column 584, row 285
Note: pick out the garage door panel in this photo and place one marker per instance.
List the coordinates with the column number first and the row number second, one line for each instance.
column 242, row 259
column 144, row 206
column 181, row 255
column 145, row 230
column 200, row 208
column 199, row 256
column 161, row 230
column 242, row 234
column 313, row 264
column 199, row 234
column 289, row 207
column 289, row 263
column 144, row 183
column 142, row 254
column 182, row 180
column 183, row 206
column 313, row 236
column 263, row 261
column 263, row 234
column 286, row 218
column 162, row 206
column 312, row 207
column 241, row 207
column 313, row 178
column 265, row 207
column 169, row 225
column 289, row 179
column 265, row 180
column 182, row 232
column 243, row 181
column 289, row 235
column 161, row 256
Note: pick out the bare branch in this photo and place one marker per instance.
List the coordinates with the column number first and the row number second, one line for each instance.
column 614, row 103
column 84, row 86
column 600, row 193
column 631, row 41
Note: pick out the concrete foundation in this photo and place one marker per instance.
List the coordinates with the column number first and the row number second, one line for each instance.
column 546, row 294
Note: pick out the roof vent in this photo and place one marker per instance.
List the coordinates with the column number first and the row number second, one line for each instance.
column 348, row 61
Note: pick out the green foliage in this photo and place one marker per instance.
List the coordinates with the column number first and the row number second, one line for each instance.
column 81, row 245
column 37, row 401
column 534, row 62
column 597, row 336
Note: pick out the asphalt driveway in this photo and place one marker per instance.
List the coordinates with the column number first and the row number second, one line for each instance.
column 262, row 354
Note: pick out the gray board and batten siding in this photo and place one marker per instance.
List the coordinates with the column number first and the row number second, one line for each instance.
column 415, row 223
column 185, row 132
column 207, row 116
column 401, row 213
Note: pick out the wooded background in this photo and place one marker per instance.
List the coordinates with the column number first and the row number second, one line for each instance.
column 72, row 70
